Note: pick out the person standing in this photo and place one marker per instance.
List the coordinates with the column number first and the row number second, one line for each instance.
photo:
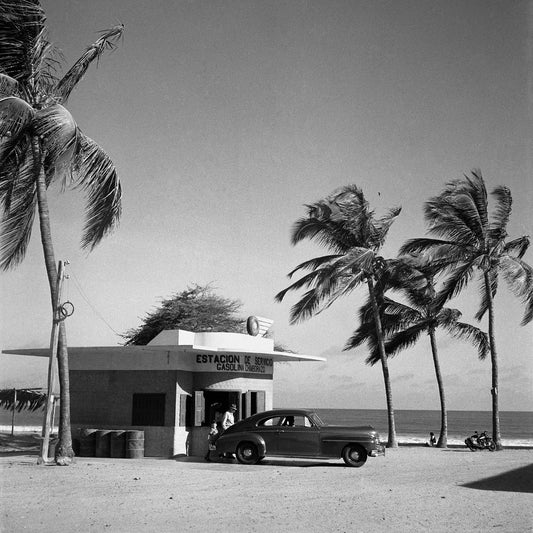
column 228, row 419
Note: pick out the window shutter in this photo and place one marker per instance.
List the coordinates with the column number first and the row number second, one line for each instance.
column 260, row 402
column 199, row 407
column 248, row 404
column 183, row 410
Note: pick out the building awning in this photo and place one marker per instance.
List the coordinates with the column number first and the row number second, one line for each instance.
column 180, row 350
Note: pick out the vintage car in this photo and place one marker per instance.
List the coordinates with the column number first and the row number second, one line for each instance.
column 298, row 433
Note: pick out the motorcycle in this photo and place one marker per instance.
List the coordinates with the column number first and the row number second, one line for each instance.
column 480, row 442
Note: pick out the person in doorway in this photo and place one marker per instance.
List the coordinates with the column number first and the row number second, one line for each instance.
column 217, row 416
column 228, row 419
column 432, row 440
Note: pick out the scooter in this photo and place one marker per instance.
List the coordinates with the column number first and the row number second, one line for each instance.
column 480, row 442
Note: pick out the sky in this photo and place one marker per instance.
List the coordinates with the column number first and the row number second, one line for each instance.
column 224, row 118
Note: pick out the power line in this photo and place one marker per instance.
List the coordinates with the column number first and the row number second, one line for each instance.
column 95, row 311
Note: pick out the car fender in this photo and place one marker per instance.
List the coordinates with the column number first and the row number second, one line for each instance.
column 228, row 443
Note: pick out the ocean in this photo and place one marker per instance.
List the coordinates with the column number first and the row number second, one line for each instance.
column 411, row 425
column 516, row 427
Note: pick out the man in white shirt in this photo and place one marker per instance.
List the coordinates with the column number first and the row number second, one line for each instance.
column 228, row 419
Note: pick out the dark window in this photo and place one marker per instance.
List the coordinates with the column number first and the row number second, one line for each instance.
column 148, row 410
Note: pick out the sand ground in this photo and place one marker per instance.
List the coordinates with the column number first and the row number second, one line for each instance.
column 411, row 489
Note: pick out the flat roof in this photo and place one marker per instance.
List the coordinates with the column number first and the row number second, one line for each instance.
column 176, row 349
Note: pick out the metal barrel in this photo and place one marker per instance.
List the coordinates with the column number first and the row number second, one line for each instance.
column 134, row 444
column 117, row 443
column 87, row 442
column 102, row 443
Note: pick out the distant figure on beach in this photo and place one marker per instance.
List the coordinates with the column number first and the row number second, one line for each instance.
column 432, row 440
column 211, row 440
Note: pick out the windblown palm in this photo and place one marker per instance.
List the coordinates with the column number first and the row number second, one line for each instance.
column 403, row 324
column 41, row 144
column 471, row 242
column 346, row 225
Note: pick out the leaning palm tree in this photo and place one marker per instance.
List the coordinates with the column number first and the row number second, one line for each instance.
column 41, row 144
column 474, row 242
column 345, row 224
column 404, row 323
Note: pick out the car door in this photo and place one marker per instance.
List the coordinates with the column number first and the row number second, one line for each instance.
column 298, row 436
column 268, row 429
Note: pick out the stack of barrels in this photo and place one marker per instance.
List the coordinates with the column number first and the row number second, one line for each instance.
column 111, row 443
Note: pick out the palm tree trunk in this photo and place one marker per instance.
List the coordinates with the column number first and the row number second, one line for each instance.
column 391, row 442
column 494, row 360
column 443, row 437
column 64, row 452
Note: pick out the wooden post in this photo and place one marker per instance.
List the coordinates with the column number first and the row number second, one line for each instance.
column 54, row 340
column 13, row 414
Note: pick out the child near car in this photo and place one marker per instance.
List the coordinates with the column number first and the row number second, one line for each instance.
column 211, row 439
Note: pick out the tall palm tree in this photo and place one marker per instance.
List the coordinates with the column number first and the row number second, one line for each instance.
column 474, row 242
column 41, row 144
column 404, row 323
column 345, row 224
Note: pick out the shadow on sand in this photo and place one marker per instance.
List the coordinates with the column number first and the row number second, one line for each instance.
column 265, row 462
column 518, row 480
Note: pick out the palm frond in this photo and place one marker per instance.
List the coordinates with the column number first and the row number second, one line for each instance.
column 8, row 86
column 475, row 336
column 27, row 399
column 430, row 247
column 313, row 264
column 17, row 222
column 308, row 280
column 59, row 133
column 13, row 152
column 454, row 217
column 478, row 191
column 519, row 278
column 362, row 334
column 455, row 283
column 22, row 24
column 99, row 179
column 325, row 232
column 406, row 338
column 517, row 247
column 502, row 212
column 107, row 41
column 15, row 116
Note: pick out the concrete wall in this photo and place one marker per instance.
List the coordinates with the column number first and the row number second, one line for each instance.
column 102, row 399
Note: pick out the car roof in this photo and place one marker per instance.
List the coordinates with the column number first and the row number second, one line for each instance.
column 283, row 412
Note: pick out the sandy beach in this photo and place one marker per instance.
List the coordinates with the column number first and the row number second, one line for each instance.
column 410, row 489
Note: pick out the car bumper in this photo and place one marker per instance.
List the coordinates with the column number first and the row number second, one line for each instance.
column 378, row 450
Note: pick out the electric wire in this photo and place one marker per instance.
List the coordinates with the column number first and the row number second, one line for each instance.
column 86, row 298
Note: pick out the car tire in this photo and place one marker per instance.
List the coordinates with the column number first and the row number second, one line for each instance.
column 354, row 455
column 247, row 453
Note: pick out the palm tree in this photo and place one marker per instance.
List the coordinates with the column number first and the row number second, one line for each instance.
column 403, row 325
column 41, row 144
column 345, row 224
column 472, row 242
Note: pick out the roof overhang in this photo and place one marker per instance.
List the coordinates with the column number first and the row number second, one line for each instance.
column 179, row 350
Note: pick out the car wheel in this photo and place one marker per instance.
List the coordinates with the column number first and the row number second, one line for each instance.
column 354, row 455
column 247, row 453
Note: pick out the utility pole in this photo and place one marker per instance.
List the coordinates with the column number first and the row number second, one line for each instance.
column 52, row 378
